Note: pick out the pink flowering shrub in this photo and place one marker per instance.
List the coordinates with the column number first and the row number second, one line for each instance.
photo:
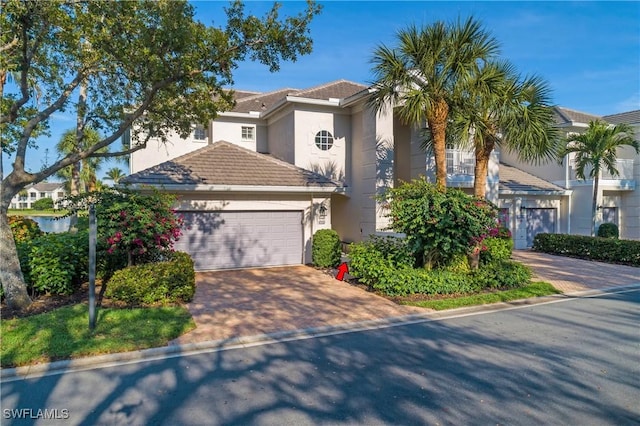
column 133, row 228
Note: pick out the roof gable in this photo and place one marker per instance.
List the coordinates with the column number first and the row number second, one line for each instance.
column 224, row 163
column 570, row 116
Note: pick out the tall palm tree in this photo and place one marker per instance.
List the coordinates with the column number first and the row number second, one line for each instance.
column 421, row 76
column 115, row 174
column 81, row 176
column 499, row 109
column 597, row 149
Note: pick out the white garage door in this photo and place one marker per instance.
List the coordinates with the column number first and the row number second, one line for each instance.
column 222, row 240
column 540, row 220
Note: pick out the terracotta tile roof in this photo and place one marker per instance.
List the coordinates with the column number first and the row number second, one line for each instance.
column 514, row 179
column 224, row 163
column 251, row 101
column 568, row 116
column 630, row 117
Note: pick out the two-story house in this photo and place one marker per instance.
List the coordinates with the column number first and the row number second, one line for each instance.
column 32, row 193
column 257, row 182
column 618, row 198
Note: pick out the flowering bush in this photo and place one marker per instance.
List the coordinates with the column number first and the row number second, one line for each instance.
column 133, row 226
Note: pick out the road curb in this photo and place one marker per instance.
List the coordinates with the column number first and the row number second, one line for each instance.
column 101, row 361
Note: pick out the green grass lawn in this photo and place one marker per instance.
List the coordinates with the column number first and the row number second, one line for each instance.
column 532, row 290
column 32, row 212
column 64, row 333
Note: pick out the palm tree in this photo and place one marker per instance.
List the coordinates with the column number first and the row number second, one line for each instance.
column 115, row 174
column 596, row 149
column 501, row 110
column 421, row 77
column 81, row 176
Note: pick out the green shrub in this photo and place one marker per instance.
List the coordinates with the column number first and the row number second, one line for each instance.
column 407, row 280
column 163, row 282
column 496, row 249
column 370, row 260
column 58, row 263
column 502, row 274
column 325, row 250
column 626, row 252
column 43, row 204
column 608, row 230
column 459, row 263
column 439, row 223
column 23, row 228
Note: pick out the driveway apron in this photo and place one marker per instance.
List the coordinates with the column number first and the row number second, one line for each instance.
column 239, row 303
column 571, row 275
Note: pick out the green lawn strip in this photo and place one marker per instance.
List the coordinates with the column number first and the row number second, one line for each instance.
column 535, row 289
column 32, row 212
column 64, row 333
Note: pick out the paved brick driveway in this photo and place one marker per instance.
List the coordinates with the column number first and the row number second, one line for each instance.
column 571, row 275
column 258, row 301
column 251, row 302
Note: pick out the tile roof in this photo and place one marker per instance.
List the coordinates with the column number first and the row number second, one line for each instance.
column 46, row 186
column 568, row 116
column 514, row 179
column 224, row 163
column 251, row 101
column 630, row 117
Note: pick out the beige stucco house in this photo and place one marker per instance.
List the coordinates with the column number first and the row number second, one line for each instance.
column 257, row 182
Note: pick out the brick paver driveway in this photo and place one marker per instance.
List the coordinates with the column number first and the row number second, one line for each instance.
column 572, row 275
column 249, row 302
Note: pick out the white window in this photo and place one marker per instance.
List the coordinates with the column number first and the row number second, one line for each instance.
column 248, row 133
column 199, row 133
column 324, row 140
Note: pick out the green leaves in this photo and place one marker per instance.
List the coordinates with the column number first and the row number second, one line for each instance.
column 441, row 223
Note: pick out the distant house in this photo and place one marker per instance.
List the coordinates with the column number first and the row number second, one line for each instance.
column 33, row 193
column 257, row 182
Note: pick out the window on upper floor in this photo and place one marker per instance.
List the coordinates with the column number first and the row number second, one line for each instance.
column 324, row 140
column 60, row 194
column 199, row 133
column 43, row 195
column 33, row 195
column 248, row 133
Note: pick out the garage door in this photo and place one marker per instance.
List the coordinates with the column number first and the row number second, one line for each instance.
column 222, row 240
column 540, row 220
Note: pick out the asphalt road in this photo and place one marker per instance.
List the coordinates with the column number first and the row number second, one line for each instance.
column 569, row 363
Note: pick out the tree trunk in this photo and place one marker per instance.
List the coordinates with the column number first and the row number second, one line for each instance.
column 483, row 153
column 594, row 204
column 13, row 285
column 438, row 126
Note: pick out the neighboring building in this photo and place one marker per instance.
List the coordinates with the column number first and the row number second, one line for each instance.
column 618, row 196
column 258, row 181
column 33, row 193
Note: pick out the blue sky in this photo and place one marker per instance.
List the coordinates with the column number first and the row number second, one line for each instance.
column 589, row 52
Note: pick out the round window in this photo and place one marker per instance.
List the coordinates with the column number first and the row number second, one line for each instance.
column 324, row 140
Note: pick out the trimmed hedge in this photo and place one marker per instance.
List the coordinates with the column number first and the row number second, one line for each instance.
column 502, row 274
column 325, row 250
column 165, row 282
column 626, row 252
column 608, row 230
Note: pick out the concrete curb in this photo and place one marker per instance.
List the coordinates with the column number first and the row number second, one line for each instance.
column 170, row 351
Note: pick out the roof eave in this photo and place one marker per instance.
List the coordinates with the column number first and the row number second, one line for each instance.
column 535, row 192
column 239, row 188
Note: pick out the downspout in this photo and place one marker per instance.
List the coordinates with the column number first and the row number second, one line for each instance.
column 566, row 186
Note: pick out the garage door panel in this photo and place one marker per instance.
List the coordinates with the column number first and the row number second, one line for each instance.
column 538, row 221
column 219, row 240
